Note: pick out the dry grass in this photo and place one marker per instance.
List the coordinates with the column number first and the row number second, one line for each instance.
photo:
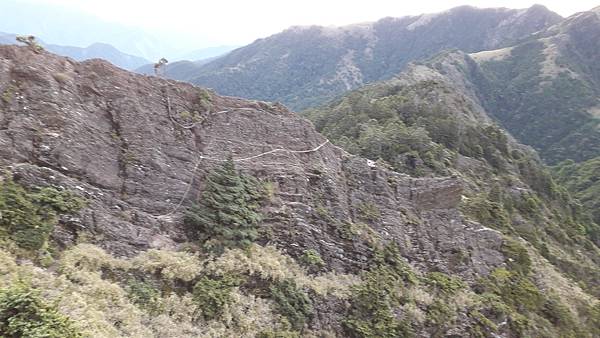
column 78, row 288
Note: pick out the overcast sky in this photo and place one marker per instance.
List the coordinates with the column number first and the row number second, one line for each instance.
column 242, row 21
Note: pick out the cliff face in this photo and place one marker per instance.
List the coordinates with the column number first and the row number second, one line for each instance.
column 107, row 133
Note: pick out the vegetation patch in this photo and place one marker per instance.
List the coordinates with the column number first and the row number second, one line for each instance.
column 205, row 99
column 227, row 214
column 24, row 313
column 8, row 93
column 372, row 312
column 28, row 217
column 369, row 211
column 517, row 256
column 213, row 295
column 144, row 295
column 488, row 213
column 443, row 283
column 583, row 181
column 292, row 302
column 311, row 258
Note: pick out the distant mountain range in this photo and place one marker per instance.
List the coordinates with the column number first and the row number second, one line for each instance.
column 305, row 66
column 94, row 51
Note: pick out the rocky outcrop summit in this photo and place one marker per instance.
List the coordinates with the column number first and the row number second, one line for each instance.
column 139, row 147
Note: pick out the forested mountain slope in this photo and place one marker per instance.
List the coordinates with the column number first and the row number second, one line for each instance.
column 292, row 236
column 306, row 66
column 426, row 123
column 545, row 91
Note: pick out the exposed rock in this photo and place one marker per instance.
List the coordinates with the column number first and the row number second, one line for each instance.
column 107, row 135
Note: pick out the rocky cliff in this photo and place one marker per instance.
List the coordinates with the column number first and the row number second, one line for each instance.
column 107, row 133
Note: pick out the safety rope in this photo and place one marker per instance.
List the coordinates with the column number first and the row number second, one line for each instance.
column 267, row 153
column 200, row 158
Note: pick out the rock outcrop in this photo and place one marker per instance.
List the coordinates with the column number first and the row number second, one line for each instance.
column 139, row 147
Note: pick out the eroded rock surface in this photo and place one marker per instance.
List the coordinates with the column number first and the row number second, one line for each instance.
column 108, row 135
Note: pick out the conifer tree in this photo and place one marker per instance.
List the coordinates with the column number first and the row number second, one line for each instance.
column 227, row 213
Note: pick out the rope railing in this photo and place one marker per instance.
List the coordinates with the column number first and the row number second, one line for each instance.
column 207, row 158
column 201, row 157
column 267, row 153
column 192, row 125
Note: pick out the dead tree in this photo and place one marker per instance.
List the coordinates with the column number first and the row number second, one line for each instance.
column 30, row 41
column 159, row 66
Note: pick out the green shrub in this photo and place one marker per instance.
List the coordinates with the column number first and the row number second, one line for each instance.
column 529, row 205
column 439, row 314
column 369, row 211
column 227, row 214
column 445, row 284
column 292, row 302
column 28, row 218
column 486, row 212
column 349, row 230
column 23, row 313
column 560, row 316
column 516, row 255
column 372, row 311
column 311, row 258
column 62, row 201
column 212, row 295
column 594, row 319
column 482, row 327
column 8, row 93
column 389, row 258
column 278, row 334
column 204, row 100
column 515, row 290
column 144, row 295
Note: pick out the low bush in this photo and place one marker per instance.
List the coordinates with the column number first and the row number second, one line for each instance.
column 23, row 313
column 212, row 295
column 28, row 217
column 311, row 258
column 292, row 302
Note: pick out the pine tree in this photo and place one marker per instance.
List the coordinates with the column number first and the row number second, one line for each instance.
column 227, row 213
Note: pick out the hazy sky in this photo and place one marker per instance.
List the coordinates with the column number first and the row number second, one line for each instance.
column 242, row 21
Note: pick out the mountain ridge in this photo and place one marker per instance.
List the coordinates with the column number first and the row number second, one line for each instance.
column 561, row 84
column 294, row 66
